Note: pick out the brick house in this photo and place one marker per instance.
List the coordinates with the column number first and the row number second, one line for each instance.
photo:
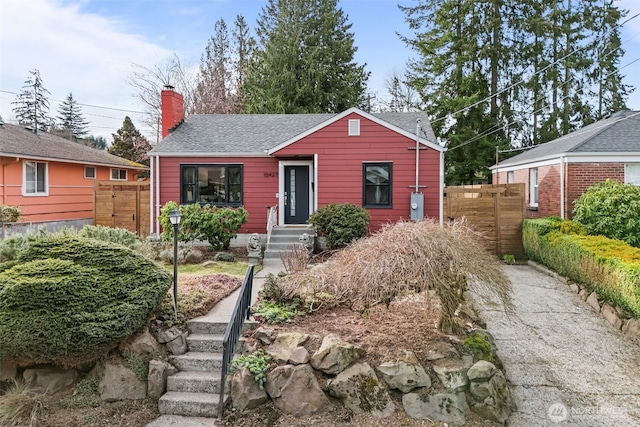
column 294, row 164
column 558, row 172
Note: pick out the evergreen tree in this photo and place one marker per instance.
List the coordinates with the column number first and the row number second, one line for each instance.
column 97, row 142
column 32, row 105
column 304, row 62
column 130, row 144
column 242, row 46
column 71, row 123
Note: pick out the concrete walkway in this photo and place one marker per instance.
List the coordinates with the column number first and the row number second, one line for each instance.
column 566, row 364
column 221, row 313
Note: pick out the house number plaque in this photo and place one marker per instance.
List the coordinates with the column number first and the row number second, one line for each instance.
column 270, row 174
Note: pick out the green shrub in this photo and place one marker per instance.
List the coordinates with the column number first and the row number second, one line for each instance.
column 85, row 395
column 257, row 363
column 273, row 312
column 225, row 257
column 341, row 223
column 271, row 289
column 609, row 267
column 68, row 300
column 211, row 223
column 10, row 213
column 113, row 235
column 610, row 209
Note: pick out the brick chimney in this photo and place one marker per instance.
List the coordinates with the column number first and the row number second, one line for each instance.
column 172, row 109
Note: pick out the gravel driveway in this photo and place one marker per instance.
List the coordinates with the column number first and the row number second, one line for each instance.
column 566, row 364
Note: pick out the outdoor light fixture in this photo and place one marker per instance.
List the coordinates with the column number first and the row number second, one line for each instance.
column 174, row 217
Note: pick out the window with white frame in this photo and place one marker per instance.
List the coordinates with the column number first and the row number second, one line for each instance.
column 90, row 172
column 632, row 173
column 35, row 178
column 118, row 174
column 533, row 187
column 511, row 177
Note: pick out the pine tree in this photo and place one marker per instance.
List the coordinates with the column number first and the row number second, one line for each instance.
column 304, row 62
column 97, row 142
column 71, row 123
column 130, row 144
column 32, row 105
column 242, row 46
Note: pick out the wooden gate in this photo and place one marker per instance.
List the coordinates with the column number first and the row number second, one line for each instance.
column 122, row 205
column 495, row 210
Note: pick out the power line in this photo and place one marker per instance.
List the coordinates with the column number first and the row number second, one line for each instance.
column 86, row 105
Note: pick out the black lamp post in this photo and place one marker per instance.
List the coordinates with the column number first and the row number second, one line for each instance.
column 174, row 217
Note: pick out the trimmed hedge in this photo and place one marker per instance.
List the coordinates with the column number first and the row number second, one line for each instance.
column 69, row 300
column 609, row 267
column 341, row 223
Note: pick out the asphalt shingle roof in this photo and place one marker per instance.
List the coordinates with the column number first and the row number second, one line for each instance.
column 258, row 133
column 20, row 142
column 618, row 133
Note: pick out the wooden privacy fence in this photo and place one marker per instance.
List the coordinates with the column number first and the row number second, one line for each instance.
column 495, row 210
column 122, row 205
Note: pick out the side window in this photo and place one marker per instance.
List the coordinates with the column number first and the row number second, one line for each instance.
column 376, row 178
column 90, row 172
column 533, row 187
column 119, row 174
column 35, row 178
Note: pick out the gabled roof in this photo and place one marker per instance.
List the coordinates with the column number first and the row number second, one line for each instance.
column 16, row 141
column 616, row 134
column 258, row 134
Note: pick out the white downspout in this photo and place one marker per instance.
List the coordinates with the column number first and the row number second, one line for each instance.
column 562, row 163
column 315, row 180
column 441, row 191
column 157, row 204
column 151, row 195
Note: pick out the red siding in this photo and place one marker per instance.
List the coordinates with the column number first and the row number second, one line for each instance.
column 339, row 169
column 340, row 159
column 260, row 184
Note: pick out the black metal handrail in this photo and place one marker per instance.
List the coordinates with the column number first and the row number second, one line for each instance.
column 233, row 331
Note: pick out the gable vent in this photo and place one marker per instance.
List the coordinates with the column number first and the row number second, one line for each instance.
column 354, row 127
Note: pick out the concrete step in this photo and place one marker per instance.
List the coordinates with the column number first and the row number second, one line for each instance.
column 292, row 230
column 189, row 404
column 209, row 343
column 195, row 382
column 197, row 361
column 179, row 420
column 203, row 326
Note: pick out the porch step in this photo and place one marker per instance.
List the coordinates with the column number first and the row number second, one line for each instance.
column 283, row 238
column 208, row 343
column 197, row 361
column 190, row 404
column 195, row 382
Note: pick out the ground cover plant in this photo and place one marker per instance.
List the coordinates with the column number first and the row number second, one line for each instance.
column 400, row 259
column 68, row 300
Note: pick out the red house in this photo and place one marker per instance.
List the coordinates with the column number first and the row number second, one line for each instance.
column 558, row 172
column 297, row 163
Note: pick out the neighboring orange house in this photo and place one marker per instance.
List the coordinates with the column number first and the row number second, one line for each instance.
column 52, row 178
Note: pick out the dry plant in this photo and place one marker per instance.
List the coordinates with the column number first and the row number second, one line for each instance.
column 402, row 258
column 296, row 259
column 20, row 406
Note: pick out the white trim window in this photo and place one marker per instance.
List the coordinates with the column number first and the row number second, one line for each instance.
column 632, row 173
column 35, row 179
column 533, row 187
column 90, row 172
column 511, row 177
column 118, row 174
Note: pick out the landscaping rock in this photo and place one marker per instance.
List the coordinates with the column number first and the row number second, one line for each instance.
column 49, row 379
column 264, row 335
column 631, row 328
column 120, row 383
column 8, row 371
column 361, row 392
column 404, row 375
column 610, row 315
column 245, row 391
column 334, row 355
column 143, row 344
column 169, row 335
column 284, row 344
column 157, row 378
column 584, row 293
column 295, row 390
column 299, row 356
column 481, row 371
column 490, row 396
column 441, row 350
column 574, row 288
column 446, row 407
column 179, row 345
column 592, row 300
column 452, row 373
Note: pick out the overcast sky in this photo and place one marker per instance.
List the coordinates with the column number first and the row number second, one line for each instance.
column 89, row 47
